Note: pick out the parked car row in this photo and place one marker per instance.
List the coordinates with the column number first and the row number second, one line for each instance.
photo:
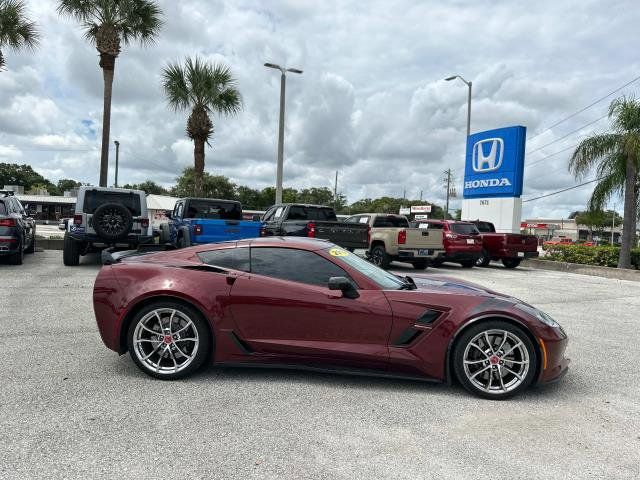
column 17, row 229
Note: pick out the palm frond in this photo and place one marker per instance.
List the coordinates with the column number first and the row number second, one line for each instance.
column 592, row 149
column 606, row 188
column 81, row 10
column 16, row 30
column 174, row 84
column 625, row 113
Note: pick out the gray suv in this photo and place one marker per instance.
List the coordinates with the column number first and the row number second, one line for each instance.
column 106, row 217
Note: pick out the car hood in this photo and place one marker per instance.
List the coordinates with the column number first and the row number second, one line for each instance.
column 455, row 286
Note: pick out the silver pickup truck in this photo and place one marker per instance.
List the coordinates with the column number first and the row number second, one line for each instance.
column 391, row 238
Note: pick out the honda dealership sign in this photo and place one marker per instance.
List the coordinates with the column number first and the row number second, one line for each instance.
column 495, row 163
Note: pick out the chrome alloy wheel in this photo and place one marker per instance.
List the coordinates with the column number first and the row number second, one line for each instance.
column 166, row 341
column 496, row 361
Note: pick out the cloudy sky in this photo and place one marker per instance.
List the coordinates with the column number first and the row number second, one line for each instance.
column 371, row 103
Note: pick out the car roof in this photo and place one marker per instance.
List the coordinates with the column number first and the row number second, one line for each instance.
column 301, row 243
column 209, row 199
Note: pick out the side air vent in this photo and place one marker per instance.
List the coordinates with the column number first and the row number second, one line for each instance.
column 240, row 343
column 408, row 336
column 428, row 317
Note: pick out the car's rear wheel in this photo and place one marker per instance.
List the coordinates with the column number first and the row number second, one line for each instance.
column 420, row 264
column 18, row 257
column 510, row 262
column 484, row 259
column 165, row 235
column 70, row 252
column 437, row 262
column 380, row 257
column 495, row 359
column 169, row 340
column 32, row 246
column 467, row 263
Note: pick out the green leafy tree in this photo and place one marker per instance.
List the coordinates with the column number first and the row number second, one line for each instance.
column 65, row 184
column 108, row 24
column 615, row 157
column 212, row 186
column 16, row 30
column 149, row 187
column 205, row 89
column 24, row 175
column 250, row 198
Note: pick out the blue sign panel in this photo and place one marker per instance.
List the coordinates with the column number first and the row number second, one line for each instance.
column 495, row 163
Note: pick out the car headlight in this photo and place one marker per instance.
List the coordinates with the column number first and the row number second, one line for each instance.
column 539, row 314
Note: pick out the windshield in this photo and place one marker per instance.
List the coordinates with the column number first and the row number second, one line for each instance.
column 382, row 278
column 464, row 228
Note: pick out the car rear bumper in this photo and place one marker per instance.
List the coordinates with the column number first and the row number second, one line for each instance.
column 95, row 239
column 516, row 254
column 461, row 256
column 9, row 244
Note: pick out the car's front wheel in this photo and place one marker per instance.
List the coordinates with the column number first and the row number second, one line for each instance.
column 510, row 262
column 484, row 259
column 380, row 257
column 495, row 359
column 420, row 264
column 169, row 340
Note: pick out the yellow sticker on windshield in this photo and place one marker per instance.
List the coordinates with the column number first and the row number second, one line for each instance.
column 338, row 252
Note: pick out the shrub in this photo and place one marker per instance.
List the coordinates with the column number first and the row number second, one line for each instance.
column 605, row 256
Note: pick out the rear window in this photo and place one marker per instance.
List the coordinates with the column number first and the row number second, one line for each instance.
column 94, row 198
column 213, row 210
column 464, row 228
column 3, row 208
column 391, row 221
column 299, row 212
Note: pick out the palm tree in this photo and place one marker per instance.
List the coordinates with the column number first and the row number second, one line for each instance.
column 206, row 89
column 108, row 23
column 16, row 31
column 616, row 159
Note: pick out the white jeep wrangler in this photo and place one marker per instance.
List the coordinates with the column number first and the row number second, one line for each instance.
column 106, row 217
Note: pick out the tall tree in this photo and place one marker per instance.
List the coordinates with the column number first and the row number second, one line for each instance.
column 615, row 156
column 16, row 30
column 108, row 24
column 205, row 89
column 212, row 186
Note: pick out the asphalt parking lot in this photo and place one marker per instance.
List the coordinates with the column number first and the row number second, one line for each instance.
column 70, row 408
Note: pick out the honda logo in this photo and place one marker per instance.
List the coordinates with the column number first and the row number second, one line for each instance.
column 491, row 161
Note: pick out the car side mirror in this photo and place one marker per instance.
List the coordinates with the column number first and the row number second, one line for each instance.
column 345, row 285
column 168, row 213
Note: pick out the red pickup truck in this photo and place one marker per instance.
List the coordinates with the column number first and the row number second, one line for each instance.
column 511, row 248
column 461, row 240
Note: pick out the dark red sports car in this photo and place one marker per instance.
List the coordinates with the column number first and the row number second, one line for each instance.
column 307, row 303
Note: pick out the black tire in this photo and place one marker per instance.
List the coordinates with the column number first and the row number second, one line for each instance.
column 472, row 386
column 202, row 350
column 379, row 257
column 484, row 260
column 350, row 249
column 70, row 252
column 112, row 221
column 510, row 262
column 467, row 263
column 18, row 257
column 32, row 246
column 437, row 262
column 420, row 264
column 165, row 235
column 184, row 239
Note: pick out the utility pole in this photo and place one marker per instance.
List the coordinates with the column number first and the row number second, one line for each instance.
column 404, row 194
column 335, row 192
column 613, row 223
column 117, row 158
column 447, row 174
column 420, row 195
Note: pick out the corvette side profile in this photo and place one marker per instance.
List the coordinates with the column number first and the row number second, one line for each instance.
column 307, row 303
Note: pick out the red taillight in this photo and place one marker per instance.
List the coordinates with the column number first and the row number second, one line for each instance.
column 311, row 230
column 144, row 222
column 197, row 229
column 77, row 219
column 8, row 222
column 402, row 237
column 263, row 231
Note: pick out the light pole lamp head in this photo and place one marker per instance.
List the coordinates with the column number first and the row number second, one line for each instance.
column 453, row 77
column 294, row 70
column 117, row 143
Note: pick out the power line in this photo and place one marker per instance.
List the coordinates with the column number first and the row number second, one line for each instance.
column 568, row 134
column 585, row 108
column 561, row 191
column 551, row 155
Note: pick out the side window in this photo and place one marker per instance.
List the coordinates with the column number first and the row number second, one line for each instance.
column 436, row 226
column 20, row 208
column 353, row 220
column 268, row 215
column 278, row 213
column 231, row 258
column 297, row 213
column 178, row 212
column 294, row 265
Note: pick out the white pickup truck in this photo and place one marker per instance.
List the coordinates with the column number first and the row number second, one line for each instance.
column 391, row 238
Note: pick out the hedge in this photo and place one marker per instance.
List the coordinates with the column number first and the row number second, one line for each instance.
column 605, row 256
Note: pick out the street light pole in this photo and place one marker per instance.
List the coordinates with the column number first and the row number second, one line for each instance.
column 283, row 80
column 469, row 85
column 117, row 157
